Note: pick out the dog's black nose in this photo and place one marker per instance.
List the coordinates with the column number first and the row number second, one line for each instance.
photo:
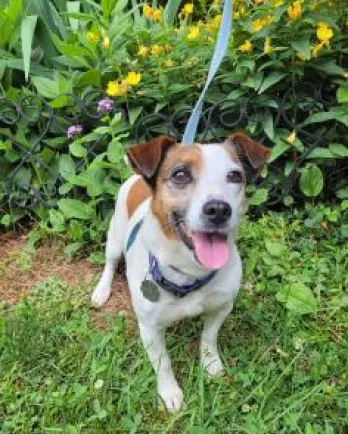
column 217, row 211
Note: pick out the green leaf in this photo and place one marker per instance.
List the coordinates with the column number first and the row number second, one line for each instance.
column 115, row 151
column 6, row 220
column 27, row 34
column 260, row 196
column 298, row 298
column 268, row 126
column 288, row 200
column 311, row 181
column 303, row 46
column 22, row 178
column 91, row 77
column 328, row 66
column 289, row 167
column 73, row 208
column 342, row 193
column 275, row 248
column 170, row 11
column 339, row 150
column 342, row 94
column 77, row 150
column 56, row 219
column 66, row 166
column 60, row 101
column 270, row 80
column 320, row 152
column 73, row 7
column 319, row 117
column 278, row 150
column 46, row 87
column 96, row 178
column 254, row 81
column 134, row 114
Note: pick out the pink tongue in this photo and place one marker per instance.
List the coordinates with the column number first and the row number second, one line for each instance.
column 212, row 250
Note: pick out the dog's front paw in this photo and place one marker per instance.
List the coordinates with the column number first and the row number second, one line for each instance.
column 100, row 296
column 212, row 364
column 172, row 396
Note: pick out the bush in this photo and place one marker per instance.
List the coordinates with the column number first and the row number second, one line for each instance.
column 283, row 81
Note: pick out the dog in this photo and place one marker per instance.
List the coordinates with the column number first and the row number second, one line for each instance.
column 176, row 222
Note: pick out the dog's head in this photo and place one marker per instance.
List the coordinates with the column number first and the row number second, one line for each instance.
column 199, row 190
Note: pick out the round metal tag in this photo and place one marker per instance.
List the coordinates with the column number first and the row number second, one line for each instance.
column 150, row 290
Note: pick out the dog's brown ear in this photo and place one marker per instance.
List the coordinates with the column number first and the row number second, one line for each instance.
column 145, row 158
column 252, row 154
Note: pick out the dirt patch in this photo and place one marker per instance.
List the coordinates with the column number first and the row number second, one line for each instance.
column 20, row 271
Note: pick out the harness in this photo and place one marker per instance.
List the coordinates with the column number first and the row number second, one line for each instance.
column 157, row 275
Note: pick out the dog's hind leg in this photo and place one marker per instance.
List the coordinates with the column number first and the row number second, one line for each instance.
column 114, row 246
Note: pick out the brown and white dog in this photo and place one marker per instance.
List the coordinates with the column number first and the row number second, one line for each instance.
column 176, row 225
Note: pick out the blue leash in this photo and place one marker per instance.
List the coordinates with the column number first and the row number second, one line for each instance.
column 219, row 54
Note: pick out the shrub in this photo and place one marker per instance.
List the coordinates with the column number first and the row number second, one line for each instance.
column 283, row 81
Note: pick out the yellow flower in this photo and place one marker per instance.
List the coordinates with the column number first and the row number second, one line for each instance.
column 167, row 47
column 156, row 50
column 324, row 33
column 143, row 51
column 157, row 15
column 133, row 78
column 258, row 2
column 217, row 21
column 257, row 25
column 147, row 11
column 168, row 63
column 260, row 23
column 295, row 10
column 193, row 32
column 152, row 14
column 267, row 48
column 116, row 88
column 277, row 3
column 291, row 138
column 186, row 10
column 106, row 42
column 247, row 47
column 93, row 37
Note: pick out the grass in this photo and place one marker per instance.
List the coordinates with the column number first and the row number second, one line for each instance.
column 64, row 370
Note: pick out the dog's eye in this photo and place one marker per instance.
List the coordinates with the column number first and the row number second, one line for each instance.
column 235, row 177
column 181, row 175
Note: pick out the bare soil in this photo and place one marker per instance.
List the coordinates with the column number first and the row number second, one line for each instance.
column 20, row 271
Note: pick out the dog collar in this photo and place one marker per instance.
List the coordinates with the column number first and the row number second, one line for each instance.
column 177, row 290
column 157, row 276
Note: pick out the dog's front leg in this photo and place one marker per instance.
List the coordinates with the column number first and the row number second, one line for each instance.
column 210, row 358
column 154, row 342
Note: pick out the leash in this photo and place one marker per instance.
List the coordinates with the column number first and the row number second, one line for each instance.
column 219, row 54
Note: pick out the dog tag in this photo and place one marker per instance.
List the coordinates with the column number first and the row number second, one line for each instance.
column 150, row 290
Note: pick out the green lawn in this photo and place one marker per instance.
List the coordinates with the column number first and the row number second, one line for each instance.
column 285, row 348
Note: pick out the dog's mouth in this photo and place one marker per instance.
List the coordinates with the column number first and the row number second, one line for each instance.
column 211, row 249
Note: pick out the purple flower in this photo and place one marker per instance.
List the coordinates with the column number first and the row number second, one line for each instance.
column 105, row 105
column 73, row 131
column 333, row 381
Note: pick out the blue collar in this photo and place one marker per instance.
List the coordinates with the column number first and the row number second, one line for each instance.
column 177, row 290
column 157, row 276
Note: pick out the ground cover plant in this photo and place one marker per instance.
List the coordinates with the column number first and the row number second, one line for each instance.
column 70, row 370
column 111, row 73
